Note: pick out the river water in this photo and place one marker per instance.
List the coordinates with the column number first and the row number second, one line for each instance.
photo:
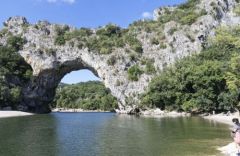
column 108, row 134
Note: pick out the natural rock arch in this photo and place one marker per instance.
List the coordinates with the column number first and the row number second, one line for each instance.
column 41, row 90
column 50, row 62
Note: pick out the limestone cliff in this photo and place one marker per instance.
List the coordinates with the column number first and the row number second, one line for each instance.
column 162, row 44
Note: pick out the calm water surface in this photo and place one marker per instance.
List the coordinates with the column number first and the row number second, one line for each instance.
column 108, row 134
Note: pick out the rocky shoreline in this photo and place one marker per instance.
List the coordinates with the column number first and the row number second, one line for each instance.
column 160, row 113
column 222, row 118
column 66, row 110
column 157, row 113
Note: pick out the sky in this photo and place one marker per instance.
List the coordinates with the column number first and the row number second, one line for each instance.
column 82, row 13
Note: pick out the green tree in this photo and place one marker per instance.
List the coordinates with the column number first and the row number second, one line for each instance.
column 14, row 72
column 204, row 82
column 90, row 96
column 134, row 73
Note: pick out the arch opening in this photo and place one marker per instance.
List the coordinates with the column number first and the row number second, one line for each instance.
column 83, row 90
column 79, row 76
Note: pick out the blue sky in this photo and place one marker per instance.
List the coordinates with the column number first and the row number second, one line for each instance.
column 82, row 13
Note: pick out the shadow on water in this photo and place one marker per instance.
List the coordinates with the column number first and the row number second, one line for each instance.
column 91, row 134
column 28, row 136
column 166, row 136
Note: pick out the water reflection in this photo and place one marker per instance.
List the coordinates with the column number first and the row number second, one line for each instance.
column 23, row 136
column 164, row 136
column 94, row 134
column 78, row 132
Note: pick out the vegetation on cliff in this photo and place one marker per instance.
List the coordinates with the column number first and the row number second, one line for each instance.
column 185, row 14
column 90, row 95
column 103, row 41
column 14, row 72
column 204, row 82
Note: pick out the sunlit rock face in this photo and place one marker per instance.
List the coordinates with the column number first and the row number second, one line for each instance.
column 50, row 62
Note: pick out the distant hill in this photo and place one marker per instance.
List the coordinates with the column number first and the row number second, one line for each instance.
column 61, row 85
column 90, row 95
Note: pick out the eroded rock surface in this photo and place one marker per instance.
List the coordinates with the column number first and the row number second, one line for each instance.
column 50, row 62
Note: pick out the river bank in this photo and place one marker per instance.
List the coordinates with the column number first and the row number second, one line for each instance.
column 156, row 113
column 222, row 118
column 66, row 110
column 231, row 148
column 7, row 114
column 10, row 113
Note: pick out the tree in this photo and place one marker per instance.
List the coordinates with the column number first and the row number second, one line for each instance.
column 90, row 95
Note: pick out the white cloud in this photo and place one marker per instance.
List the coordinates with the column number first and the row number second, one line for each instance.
column 147, row 15
column 63, row 1
column 69, row 1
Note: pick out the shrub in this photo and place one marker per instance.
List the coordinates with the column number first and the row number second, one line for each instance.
column 50, row 51
column 184, row 14
column 103, row 42
column 16, row 42
column 149, row 65
column 137, row 48
column 80, row 45
column 111, row 36
column 111, row 61
column 154, row 41
column 92, row 44
column 109, row 30
column 3, row 32
column 134, row 43
column 150, row 69
column 105, row 50
column 237, row 10
column 61, row 30
column 80, row 34
column 133, row 57
column 163, row 46
column 134, row 73
column 189, row 18
column 188, row 5
column 191, row 37
column 60, row 40
column 172, row 30
column 203, row 12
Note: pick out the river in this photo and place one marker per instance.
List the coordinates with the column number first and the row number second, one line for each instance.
column 109, row 134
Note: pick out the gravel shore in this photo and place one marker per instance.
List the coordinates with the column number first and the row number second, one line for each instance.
column 7, row 114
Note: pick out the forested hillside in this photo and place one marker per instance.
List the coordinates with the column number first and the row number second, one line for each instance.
column 90, row 95
column 14, row 73
column 204, row 82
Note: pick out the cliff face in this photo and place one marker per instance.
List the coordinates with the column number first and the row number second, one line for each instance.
column 50, row 62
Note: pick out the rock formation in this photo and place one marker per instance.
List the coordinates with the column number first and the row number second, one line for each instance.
column 50, row 62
